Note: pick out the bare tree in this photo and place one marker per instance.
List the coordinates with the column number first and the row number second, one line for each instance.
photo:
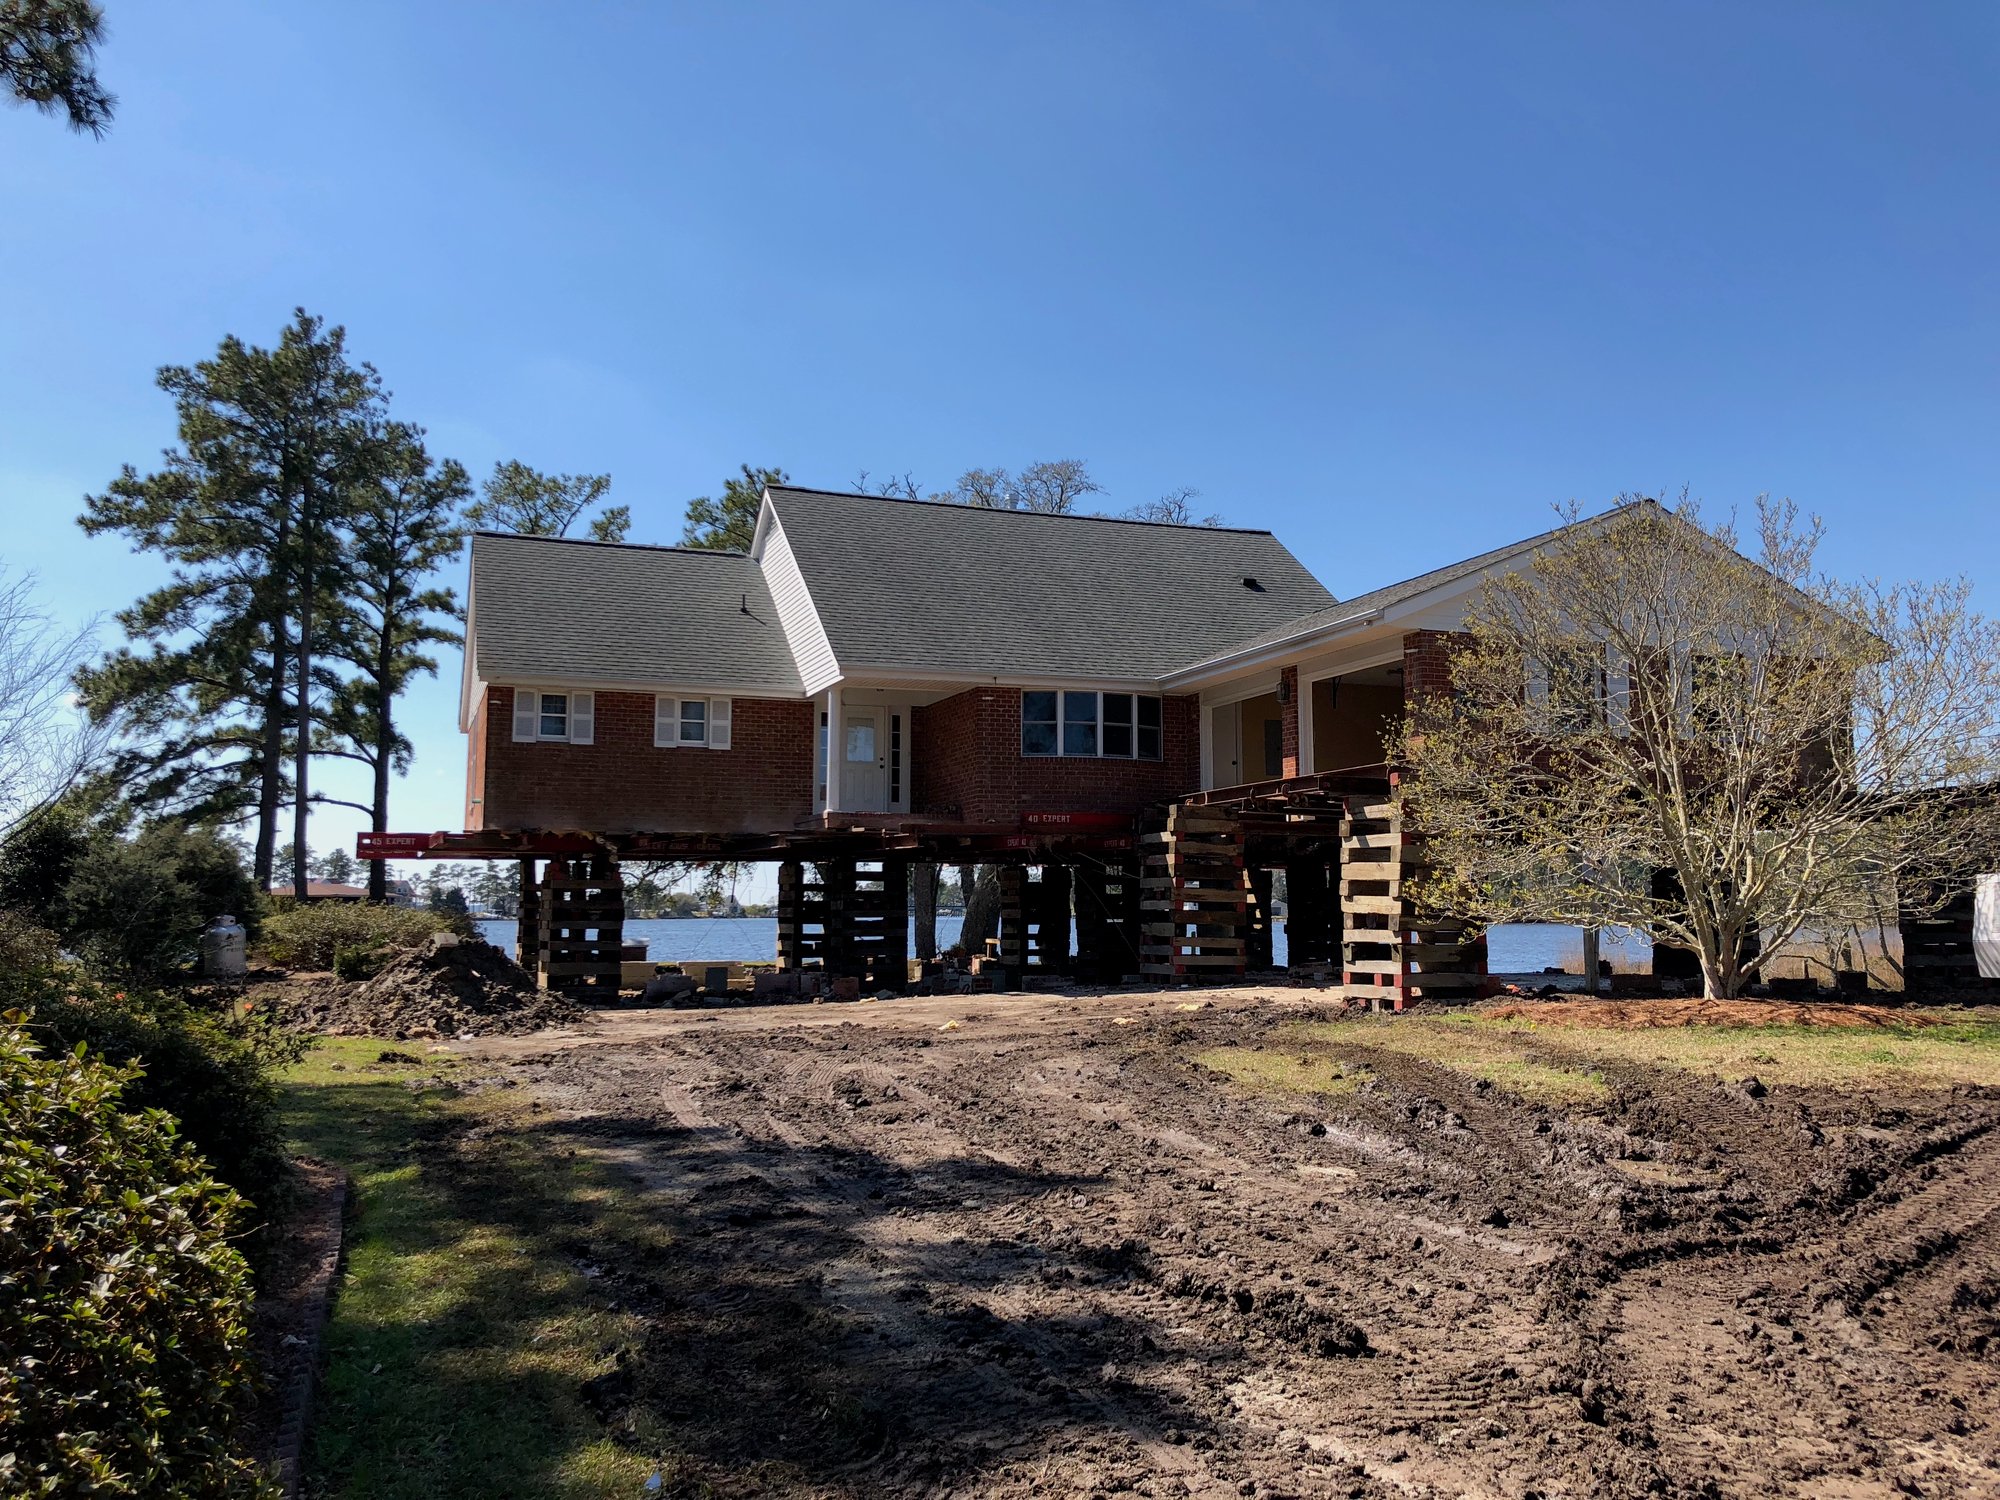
column 1052, row 487
column 46, row 745
column 895, row 487
column 1641, row 697
column 1175, row 508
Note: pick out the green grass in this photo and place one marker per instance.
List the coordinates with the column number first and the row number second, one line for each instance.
column 465, row 1324
column 1278, row 1071
column 1916, row 1057
column 1535, row 1073
column 1560, row 1064
column 1328, row 1059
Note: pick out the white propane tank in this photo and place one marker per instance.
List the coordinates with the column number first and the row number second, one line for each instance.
column 224, row 949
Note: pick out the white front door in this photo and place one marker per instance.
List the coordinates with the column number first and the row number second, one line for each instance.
column 864, row 760
column 1226, row 745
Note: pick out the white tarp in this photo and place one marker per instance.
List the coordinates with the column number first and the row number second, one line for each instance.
column 1986, row 926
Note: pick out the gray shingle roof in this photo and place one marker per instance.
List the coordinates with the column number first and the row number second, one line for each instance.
column 545, row 608
column 924, row 586
column 1397, row 593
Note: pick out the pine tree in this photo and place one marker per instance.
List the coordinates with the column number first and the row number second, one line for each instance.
column 46, row 54
column 730, row 524
column 527, row 502
column 403, row 524
column 248, row 510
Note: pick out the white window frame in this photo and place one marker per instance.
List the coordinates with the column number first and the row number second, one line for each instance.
column 1062, row 722
column 579, row 714
column 670, row 723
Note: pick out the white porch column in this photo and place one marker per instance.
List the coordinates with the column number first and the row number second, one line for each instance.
column 836, row 748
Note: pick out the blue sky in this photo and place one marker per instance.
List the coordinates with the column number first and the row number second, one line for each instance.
column 1389, row 280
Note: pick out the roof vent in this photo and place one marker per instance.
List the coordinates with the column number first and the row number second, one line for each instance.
column 1253, row 585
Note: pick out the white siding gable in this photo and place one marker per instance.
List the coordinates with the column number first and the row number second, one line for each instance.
column 796, row 615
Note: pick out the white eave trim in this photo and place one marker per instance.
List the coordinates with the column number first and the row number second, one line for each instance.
column 860, row 676
column 468, row 663
column 1276, row 653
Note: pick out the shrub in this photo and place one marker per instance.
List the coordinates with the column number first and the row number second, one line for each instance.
column 352, row 939
column 138, row 906
column 123, row 1307
column 212, row 1073
column 29, row 955
column 37, row 861
column 134, row 906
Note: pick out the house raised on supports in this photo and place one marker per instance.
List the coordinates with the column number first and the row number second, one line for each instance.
column 1139, row 723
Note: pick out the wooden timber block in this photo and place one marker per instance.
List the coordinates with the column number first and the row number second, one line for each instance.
column 1379, row 906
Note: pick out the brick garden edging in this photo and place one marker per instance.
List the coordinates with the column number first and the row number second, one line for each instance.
column 309, row 1301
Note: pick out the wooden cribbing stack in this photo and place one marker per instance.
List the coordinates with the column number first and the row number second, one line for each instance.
column 580, row 925
column 868, row 920
column 1392, row 956
column 1312, row 913
column 1012, row 928
column 1938, row 958
column 1107, row 920
column 801, row 916
column 1194, row 898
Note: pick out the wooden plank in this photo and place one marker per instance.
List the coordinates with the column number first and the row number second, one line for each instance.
column 1394, row 839
column 1375, row 906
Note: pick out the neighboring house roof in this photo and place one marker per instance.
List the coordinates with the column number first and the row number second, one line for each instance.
column 924, row 586
column 554, row 609
column 323, row 890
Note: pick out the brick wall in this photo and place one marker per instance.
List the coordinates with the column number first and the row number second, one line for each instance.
column 624, row 784
column 966, row 762
column 1427, row 662
column 1288, row 699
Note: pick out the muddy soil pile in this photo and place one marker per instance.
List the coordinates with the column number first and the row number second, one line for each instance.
column 1038, row 1254
column 451, row 987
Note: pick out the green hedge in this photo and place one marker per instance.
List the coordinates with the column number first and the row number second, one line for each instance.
column 213, row 1073
column 209, row 1068
column 349, row 937
column 123, row 1306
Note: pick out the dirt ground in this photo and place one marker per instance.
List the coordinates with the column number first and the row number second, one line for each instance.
column 1024, row 1245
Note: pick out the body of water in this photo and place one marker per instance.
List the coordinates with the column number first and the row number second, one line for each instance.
column 1511, row 949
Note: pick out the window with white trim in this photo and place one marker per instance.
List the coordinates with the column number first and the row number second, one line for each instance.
column 562, row 718
column 1113, row 726
column 691, row 723
column 554, row 717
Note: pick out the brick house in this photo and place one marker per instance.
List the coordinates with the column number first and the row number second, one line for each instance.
column 879, row 662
